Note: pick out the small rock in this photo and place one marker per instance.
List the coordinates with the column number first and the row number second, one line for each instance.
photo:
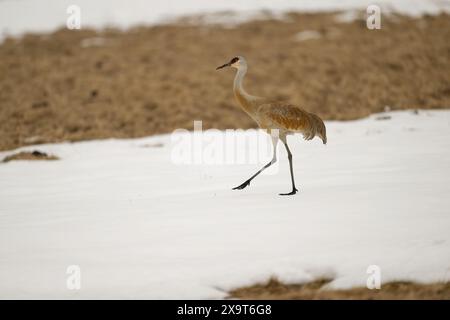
column 383, row 118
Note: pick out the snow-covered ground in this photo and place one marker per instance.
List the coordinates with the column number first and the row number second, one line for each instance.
column 140, row 226
column 20, row 16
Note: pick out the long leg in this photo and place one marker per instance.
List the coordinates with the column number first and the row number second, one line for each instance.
column 274, row 159
column 294, row 189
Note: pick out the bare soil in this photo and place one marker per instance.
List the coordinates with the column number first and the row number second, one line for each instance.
column 398, row 290
column 84, row 84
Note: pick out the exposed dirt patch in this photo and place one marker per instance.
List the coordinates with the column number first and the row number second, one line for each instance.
column 26, row 155
column 74, row 85
column 397, row 290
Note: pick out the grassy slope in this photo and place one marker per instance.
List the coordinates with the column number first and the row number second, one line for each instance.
column 156, row 79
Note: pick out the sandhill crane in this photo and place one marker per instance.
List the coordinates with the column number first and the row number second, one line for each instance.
column 277, row 118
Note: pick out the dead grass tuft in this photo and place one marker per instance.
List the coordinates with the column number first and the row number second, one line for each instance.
column 26, row 155
column 397, row 290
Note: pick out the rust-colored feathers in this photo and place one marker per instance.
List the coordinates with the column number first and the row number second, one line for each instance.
column 290, row 118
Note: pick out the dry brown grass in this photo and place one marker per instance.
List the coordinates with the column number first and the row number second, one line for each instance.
column 26, row 155
column 152, row 80
column 398, row 290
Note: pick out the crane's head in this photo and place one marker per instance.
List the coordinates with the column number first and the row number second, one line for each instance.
column 236, row 62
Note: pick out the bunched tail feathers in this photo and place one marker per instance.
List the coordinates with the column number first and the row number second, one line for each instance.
column 311, row 136
column 323, row 132
column 316, row 128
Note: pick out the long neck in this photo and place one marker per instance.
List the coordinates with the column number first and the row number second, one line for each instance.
column 238, row 80
column 245, row 100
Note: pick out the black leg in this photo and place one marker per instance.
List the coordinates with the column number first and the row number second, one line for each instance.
column 247, row 182
column 274, row 159
column 294, row 189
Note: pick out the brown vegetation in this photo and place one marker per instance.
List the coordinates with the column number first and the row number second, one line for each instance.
column 74, row 85
column 26, row 155
column 404, row 290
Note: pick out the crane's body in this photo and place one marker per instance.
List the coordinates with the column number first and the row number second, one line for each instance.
column 279, row 119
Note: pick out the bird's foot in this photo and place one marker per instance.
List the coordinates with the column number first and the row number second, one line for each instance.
column 294, row 191
column 242, row 186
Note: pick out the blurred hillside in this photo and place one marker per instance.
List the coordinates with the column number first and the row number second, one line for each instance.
column 75, row 85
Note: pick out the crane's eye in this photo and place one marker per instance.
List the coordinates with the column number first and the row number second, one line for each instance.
column 235, row 59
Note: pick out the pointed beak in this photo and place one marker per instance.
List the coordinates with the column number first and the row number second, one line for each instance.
column 223, row 66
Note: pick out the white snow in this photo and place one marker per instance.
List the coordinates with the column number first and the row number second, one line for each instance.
column 308, row 35
column 140, row 226
column 18, row 17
